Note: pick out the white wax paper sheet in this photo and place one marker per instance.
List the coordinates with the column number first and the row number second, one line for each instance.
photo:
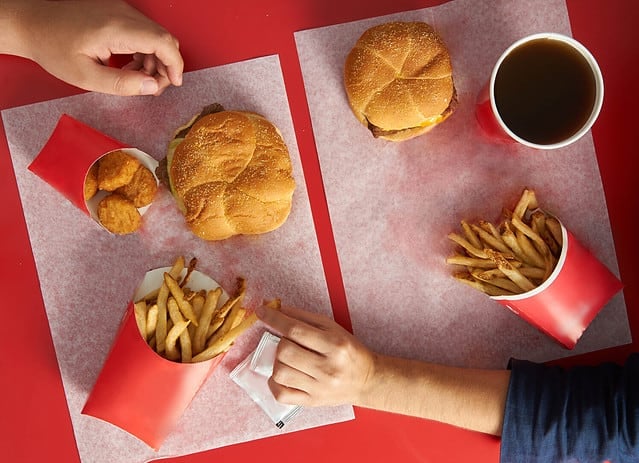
column 87, row 275
column 392, row 204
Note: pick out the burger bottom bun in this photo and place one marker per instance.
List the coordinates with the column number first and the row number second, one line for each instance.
column 406, row 134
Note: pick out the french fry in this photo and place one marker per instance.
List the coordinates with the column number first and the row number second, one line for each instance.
column 471, row 236
column 151, row 319
column 555, row 229
column 510, row 271
column 532, row 255
column 172, row 337
column 538, row 242
column 224, row 342
column 227, row 325
column 241, row 315
column 535, row 273
column 186, row 352
column 491, row 290
column 490, row 240
column 548, row 259
column 470, row 262
column 231, row 302
column 500, row 282
column 488, row 274
column 176, row 269
column 490, row 228
column 214, row 326
column 174, row 310
column 469, row 247
column 140, row 312
column 528, row 200
column 189, row 270
column 197, row 302
column 178, row 293
column 185, row 338
column 161, row 328
column 538, row 224
column 210, row 304
column 509, row 237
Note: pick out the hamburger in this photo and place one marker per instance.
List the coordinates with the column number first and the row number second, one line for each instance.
column 398, row 80
column 230, row 173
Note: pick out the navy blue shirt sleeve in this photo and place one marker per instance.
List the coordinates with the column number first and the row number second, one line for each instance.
column 579, row 415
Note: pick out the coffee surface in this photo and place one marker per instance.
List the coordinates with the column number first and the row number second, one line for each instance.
column 545, row 91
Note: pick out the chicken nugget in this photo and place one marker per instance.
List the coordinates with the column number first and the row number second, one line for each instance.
column 141, row 189
column 91, row 182
column 118, row 215
column 116, row 169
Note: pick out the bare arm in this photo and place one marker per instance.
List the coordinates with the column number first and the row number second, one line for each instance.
column 469, row 398
column 74, row 40
column 320, row 363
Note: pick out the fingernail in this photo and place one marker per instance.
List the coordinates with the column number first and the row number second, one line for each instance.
column 148, row 87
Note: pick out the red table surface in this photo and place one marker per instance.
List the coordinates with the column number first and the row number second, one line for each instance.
column 35, row 424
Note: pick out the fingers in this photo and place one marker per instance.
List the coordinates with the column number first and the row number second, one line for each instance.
column 171, row 60
column 291, row 377
column 157, row 46
column 295, row 356
column 297, row 375
column 143, row 73
column 304, row 328
column 288, row 395
column 124, row 82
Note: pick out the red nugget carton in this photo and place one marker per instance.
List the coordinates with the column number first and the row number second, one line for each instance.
column 564, row 305
column 140, row 391
column 72, row 149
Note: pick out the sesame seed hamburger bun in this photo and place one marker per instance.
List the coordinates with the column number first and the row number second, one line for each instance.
column 231, row 174
column 398, row 79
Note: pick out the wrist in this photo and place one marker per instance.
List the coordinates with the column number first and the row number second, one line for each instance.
column 373, row 393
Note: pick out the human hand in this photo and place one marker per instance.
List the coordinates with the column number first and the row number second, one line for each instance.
column 74, row 40
column 318, row 362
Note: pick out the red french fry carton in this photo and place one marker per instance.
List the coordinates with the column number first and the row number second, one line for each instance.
column 140, row 391
column 564, row 305
column 71, row 150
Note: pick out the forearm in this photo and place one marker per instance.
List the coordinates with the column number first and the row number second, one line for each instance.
column 16, row 18
column 468, row 398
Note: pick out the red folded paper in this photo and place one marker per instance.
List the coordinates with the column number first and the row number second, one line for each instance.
column 564, row 305
column 138, row 390
column 71, row 150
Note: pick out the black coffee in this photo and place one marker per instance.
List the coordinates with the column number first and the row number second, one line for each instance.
column 545, row 91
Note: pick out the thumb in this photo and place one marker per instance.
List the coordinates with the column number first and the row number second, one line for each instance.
column 122, row 82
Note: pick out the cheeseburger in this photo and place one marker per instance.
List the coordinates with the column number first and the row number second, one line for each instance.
column 230, row 174
column 398, row 79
